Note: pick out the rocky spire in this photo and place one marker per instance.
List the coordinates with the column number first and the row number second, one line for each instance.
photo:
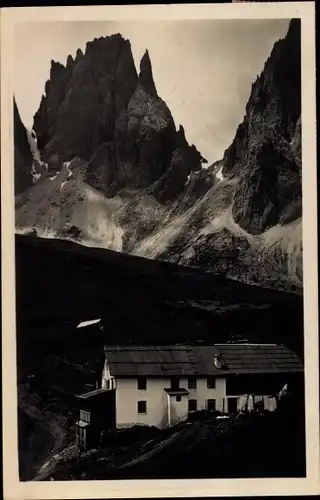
column 70, row 61
column 294, row 28
column 145, row 76
column 79, row 55
column 56, row 69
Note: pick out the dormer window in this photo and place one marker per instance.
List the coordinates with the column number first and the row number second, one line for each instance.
column 217, row 361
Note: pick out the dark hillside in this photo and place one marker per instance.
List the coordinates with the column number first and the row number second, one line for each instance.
column 257, row 445
column 140, row 300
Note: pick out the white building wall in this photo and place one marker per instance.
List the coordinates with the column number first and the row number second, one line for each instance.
column 202, row 393
column 128, row 395
column 177, row 410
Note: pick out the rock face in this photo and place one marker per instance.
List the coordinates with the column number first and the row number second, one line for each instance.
column 84, row 99
column 22, row 155
column 119, row 175
column 266, row 151
column 248, row 225
column 99, row 109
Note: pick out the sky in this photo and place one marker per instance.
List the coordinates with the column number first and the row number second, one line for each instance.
column 202, row 69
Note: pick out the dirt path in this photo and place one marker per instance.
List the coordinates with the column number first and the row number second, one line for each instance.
column 51, row 464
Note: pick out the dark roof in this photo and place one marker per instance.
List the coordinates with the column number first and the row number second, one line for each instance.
column 177, row 392
column 187, row 360
column 259, row 358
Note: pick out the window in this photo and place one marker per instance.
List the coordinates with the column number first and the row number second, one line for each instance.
column 192, row 405
column 142, row 407
column 192, row 383
column 175, row 383
column 211, row 405
column 211, row 383
column 85, row 416
column 142, row 383
column 108, row 384
column 178, row 399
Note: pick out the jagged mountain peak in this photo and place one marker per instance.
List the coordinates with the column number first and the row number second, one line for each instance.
column 99, row 109
column 261, row 153
column 70, row 61
column 146, row 75
column 79, row 54
column 55, row 67
column 104, row 43
column 181, row 135
column 240, row 217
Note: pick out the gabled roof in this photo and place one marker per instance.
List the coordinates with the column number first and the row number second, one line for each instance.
column 259, row 358
column 187, row 360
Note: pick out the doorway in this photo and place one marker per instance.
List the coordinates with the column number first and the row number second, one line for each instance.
column 232, row 405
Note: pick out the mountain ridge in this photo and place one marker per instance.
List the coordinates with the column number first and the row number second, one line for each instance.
column 132, row 183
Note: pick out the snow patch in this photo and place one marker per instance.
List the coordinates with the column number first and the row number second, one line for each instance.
column 220, row 175
column 33, row 143
column 53, row 177
column 67, row 165
column 188, row 180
